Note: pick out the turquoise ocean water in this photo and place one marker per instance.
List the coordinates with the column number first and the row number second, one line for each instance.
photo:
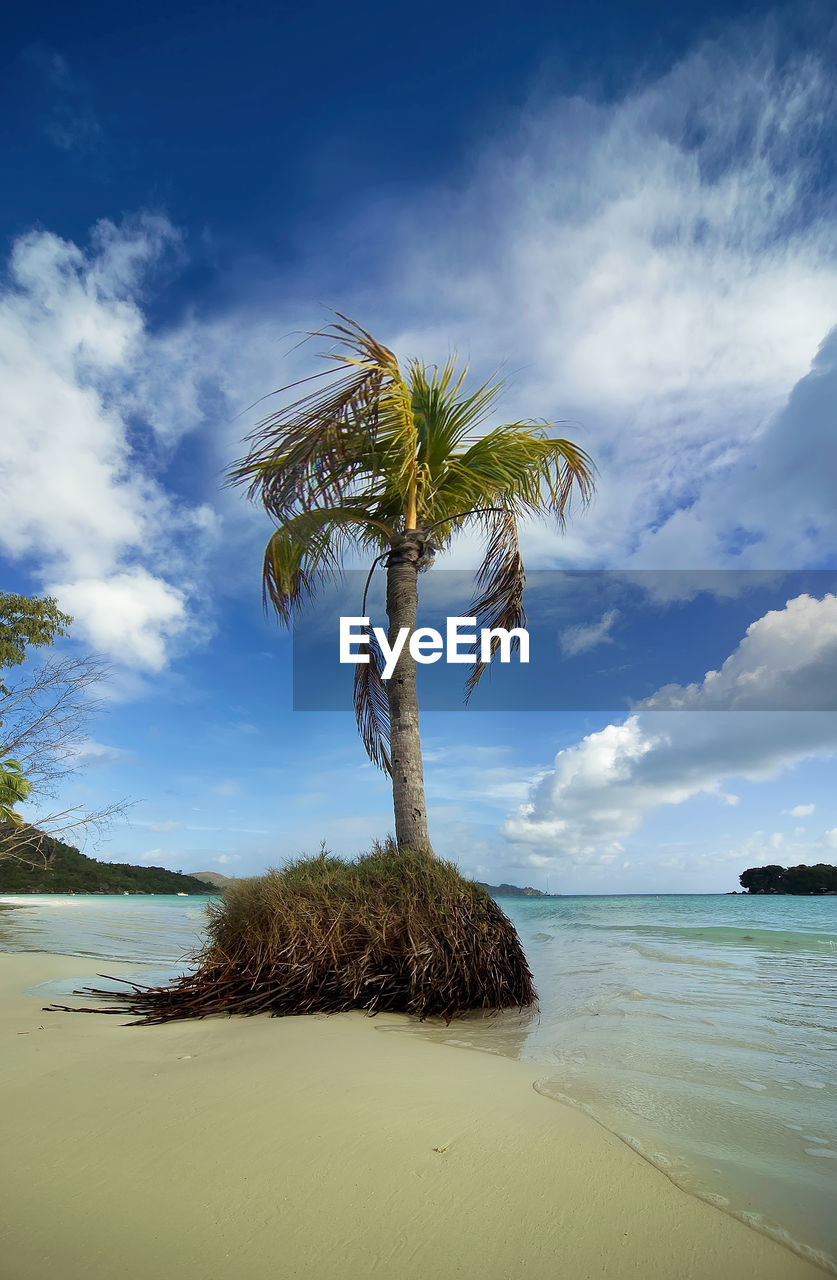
column 701, row 1030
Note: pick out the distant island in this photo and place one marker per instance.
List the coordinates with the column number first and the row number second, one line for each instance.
column 55, row 867
column 818, row 879
column 514, row 891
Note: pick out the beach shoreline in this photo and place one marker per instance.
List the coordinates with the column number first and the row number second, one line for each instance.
column 325, row 1146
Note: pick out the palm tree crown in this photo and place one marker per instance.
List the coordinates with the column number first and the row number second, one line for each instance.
column 397, row 462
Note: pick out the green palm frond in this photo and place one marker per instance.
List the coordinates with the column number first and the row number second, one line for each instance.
column 522, row 466
column 307, row 550
column 13, row 790
column 444, row 418
column 338, row 440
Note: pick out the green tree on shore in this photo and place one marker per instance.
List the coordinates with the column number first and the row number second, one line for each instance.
column 44, row 715
column 819, row 878
column 25, row 622
column 393, row 463
column 28, row 622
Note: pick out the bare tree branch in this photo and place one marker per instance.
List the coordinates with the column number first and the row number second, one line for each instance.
column 74, row 825
column 44, row 724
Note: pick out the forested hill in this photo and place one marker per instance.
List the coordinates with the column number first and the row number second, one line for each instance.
column 59, row 868
column 513, row 891
column 821, row 878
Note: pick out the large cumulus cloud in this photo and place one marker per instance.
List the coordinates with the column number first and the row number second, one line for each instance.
column 600, row 790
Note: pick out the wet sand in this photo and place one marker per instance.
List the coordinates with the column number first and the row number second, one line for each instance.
column 325, row 1147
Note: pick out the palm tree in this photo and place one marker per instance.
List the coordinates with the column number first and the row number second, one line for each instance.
column 14, row 789
column 393, row 462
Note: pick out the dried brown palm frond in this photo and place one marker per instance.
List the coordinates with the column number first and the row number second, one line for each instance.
column 372, row 705
column 393, row 931
column 501, row 579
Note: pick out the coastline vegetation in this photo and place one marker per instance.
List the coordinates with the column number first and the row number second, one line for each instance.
column 513, row 891
column 43, row 864
column 45, row 712
column 819, row 879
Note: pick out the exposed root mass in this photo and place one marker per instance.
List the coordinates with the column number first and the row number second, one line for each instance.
column 392, row 931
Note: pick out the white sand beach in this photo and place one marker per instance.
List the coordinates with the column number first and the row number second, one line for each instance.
column 325, row 1147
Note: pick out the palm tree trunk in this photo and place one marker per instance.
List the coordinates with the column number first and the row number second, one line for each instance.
column 405, row 744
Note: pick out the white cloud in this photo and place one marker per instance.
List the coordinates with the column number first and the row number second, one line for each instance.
column 601, row 789
column 773, row 502
column 469, row 772
column 787, row 660
column 580, row 639
column 660, row 272
column 769, row 846
column 800, row 811
column 130, row 615
column 79, row 492
column 88, row 752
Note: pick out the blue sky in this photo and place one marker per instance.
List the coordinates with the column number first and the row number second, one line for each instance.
column 629, row 207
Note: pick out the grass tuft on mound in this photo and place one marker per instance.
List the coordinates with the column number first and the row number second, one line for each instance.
column 394, row 930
